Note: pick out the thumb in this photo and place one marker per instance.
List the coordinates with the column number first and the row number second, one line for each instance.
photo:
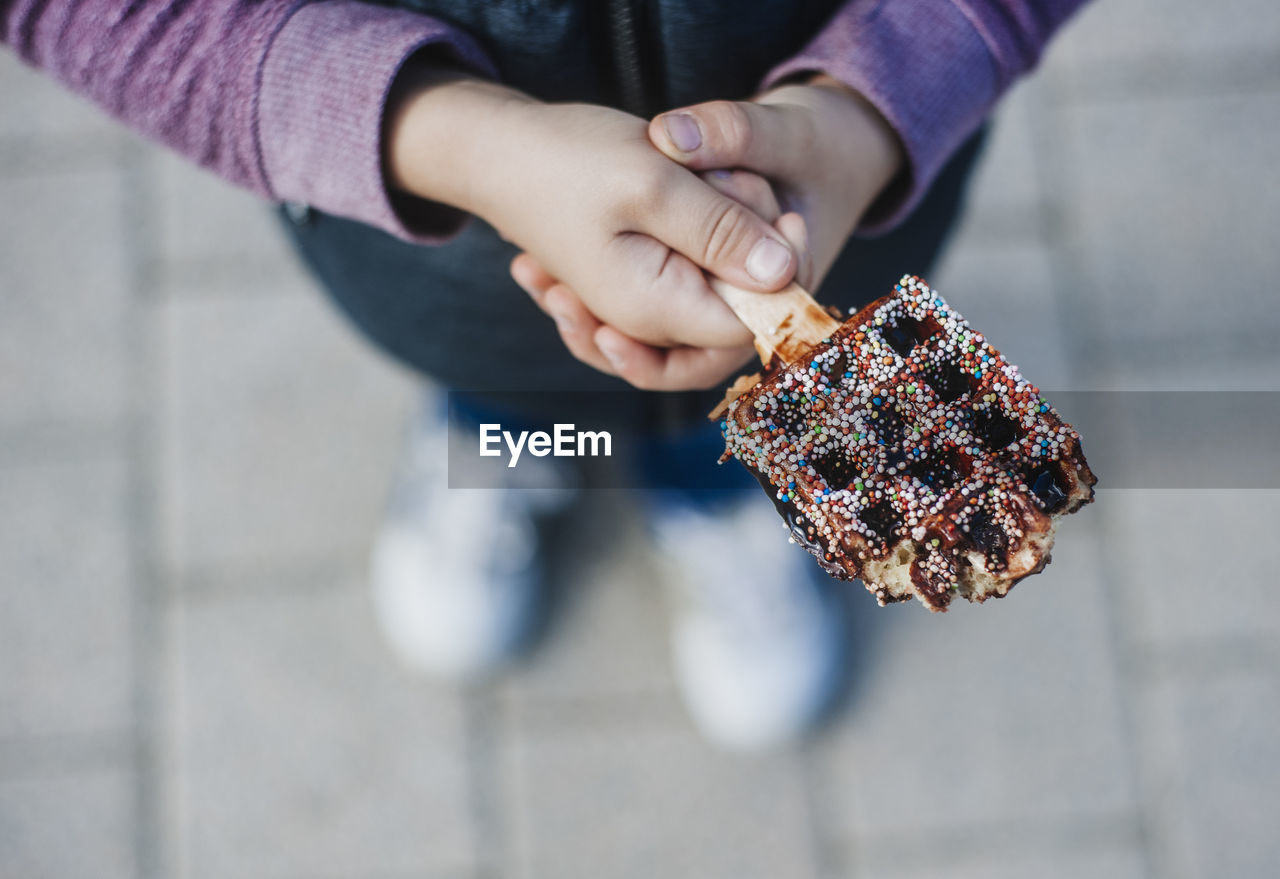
column 765, row 138
column 720, row 235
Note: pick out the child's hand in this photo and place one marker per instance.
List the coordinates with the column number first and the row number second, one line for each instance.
column 581, row 189
column 828, row 155
column 827, row 152
column 681, row 367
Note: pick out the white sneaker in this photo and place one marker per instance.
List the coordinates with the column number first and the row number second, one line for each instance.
column 457, row 574
column 758, row 638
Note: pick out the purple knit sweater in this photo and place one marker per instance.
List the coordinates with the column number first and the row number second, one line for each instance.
column 285, row 97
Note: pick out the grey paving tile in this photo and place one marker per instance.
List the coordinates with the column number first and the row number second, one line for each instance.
column 302, row 749
column 1260, row 372
column 1175, row 548
column 1006, row 291
column 1004, row 194
column 645, row 798
column 610, row 640
column 65, row 604
column 205, row 221
column 279, row 428
column 1005, row 859
column 1213, row 768
column 69, row 826
column 987, row 714
column 1156, row 39
column 37, row 107
column 1171, row 223
column 64, row 300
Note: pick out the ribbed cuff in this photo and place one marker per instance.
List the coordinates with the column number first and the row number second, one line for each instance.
column 927, row 70
column 323, row 91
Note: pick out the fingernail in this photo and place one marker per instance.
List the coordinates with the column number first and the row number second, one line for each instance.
column 611, row 353
column 683, row 131
column 722, row 173
column 768, row 260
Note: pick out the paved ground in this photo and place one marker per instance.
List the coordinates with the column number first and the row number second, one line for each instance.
column 193, row 452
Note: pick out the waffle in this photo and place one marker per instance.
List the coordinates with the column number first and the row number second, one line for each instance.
column 906, row 451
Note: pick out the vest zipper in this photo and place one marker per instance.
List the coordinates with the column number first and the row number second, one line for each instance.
column 625, row 17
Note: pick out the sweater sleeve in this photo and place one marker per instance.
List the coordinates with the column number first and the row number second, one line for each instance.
column 933, row 68
column 283, row 97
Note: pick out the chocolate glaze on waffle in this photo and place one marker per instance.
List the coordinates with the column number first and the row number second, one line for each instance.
column 907, row 451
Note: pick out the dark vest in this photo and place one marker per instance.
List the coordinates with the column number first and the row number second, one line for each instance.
column 644, row 56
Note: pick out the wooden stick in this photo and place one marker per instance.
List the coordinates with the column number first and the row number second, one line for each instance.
column 787, row 323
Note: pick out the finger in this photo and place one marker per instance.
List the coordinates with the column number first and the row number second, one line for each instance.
column 748, row 189
column 688, row 312
column 766, row 138
column 577, row 326
column 529, row 274
column 692, row 314
column 668, row 369
column 793, row 227
column 719, row 234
